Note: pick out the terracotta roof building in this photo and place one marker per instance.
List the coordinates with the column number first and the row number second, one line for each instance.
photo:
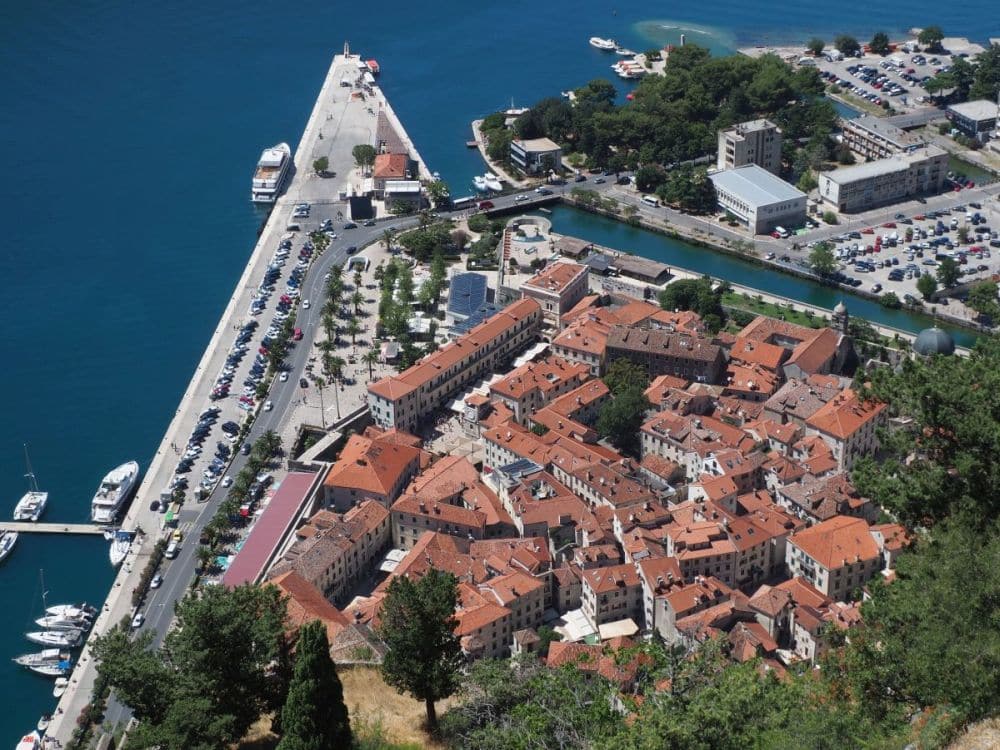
column 370, row 469
column 557, row 288
column 662, row 352
column 403, row 400
column 837, row 556
column 848, row 425
column 612, row 593
column 534, row 384
column 817, row 499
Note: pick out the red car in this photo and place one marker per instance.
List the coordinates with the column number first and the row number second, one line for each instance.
column 889, row 225
column 297, row 335
column 869, row 230
column 483, row 205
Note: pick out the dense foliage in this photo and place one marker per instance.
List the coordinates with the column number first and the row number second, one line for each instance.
column 224, row 663
column 624, row 374
column 698, row 295
column 620, row 418
column 676, row 116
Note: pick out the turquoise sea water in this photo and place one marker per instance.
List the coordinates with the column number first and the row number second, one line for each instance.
column 129, row 133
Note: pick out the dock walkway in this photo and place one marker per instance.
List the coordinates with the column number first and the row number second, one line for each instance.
column 51, row 528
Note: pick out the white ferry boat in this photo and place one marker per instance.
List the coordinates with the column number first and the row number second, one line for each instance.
column 115, row 490
column 608, row 45
column 270, row 173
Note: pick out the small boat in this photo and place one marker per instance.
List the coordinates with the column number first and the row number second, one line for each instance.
column 31, row 741
column 120, row 546
column 58, row 638
column 60, row 687
column 59, row 669
column 48, row 656
column 45, row 720
column 479, row 183
column 7, row 541
column 624, row 52
column 78, row 611
column 493, row 183
column 608, row 45
column 31, row 506
column 55, row 622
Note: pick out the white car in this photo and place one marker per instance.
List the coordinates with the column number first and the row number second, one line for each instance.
column 521, row 198
column 283, row 377
column 305, row 304
column 227, row 482
column 268, row 405
column 138, row 620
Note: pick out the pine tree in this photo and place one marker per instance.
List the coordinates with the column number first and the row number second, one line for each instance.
column 418, row 626
column 314, row 716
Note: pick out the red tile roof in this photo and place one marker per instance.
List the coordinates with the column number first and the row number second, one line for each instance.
column 845, row 415
column 390, row 166
column 555, row 278
column 372, row 465
column 837, row 541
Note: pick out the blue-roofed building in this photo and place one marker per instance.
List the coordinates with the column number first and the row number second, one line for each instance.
column 758, row 199
column 481, row 313
column 466, row 294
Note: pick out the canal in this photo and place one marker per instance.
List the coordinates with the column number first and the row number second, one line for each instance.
column 620, row 236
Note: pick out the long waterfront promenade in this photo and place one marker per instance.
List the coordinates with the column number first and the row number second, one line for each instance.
column 334, row 112
column 26, row 527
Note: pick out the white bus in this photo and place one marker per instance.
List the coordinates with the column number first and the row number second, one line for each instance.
column 651, row 200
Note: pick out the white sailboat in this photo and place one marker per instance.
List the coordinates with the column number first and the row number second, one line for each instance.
column 72, row 610
column 31, row 506
column 7, row 541
column 61, row 669
column 55, row 638
column 56, row 622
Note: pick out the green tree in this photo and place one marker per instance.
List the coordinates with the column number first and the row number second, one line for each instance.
column 621, row 417
column 927, row 286
column 983, row 299
column 357, row 299
column 624, row 374
column 807, row 181
column 353, row 329
column 948, row 273
column 890, row 300
column 931, row 37
column 371, row 358
column 314, row 716
column 439, row 193
column 418, row 627
column 822, row 260
column 880, row 43
column 815, row 46
column 987, row 77
column 364, row 155
column 649, row 177
column 847, row 45
column 830, row 217
column 320, row 165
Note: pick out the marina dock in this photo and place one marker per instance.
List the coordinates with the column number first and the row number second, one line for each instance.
column 23, row 527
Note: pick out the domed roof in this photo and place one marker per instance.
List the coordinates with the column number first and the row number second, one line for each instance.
column 933, row 341
column 841, row 308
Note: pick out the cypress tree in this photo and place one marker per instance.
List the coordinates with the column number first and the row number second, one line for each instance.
column 314, row 716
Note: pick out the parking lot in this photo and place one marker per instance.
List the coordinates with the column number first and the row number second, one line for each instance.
column 897, row 78
column 894, row 255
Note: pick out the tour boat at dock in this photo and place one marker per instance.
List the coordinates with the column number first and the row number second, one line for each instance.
column 607, row 45
column 272, row 168
column 30, row 741
column 114, row 491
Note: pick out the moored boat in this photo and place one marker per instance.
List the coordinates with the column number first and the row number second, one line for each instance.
column 31, row 741
column 607, row 45
column 58, row 638
column 57, row 622
column 120, row 546
column 32, row 504
column 7, row 541
column 479, row 183
column 59, row 669
column 44, row 721
column 624, row 52
column 60, row 687
column 493, row 183
column 47, row 656
column 272, row 168
column 72, row 610
column 114, row 490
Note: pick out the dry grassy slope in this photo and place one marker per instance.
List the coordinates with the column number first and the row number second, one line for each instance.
column 984, row 735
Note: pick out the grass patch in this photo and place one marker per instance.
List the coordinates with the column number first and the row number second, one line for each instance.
column 738, row 301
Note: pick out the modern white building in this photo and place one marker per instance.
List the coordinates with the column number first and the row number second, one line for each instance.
column 876, row 138
column 754, row 142
column 759, row 199
column 530, row 155
column 975, row 119
column 890, row 180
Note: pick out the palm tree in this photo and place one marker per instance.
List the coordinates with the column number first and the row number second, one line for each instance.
column 336, row 272
column 273, row 442
column 320, row 385
column 370, row 358
column 353, row 329
column 387, row 237
column 356, row 299
column 329, row 325
column 357, row 279
column 424, row 218
column 205, row 556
